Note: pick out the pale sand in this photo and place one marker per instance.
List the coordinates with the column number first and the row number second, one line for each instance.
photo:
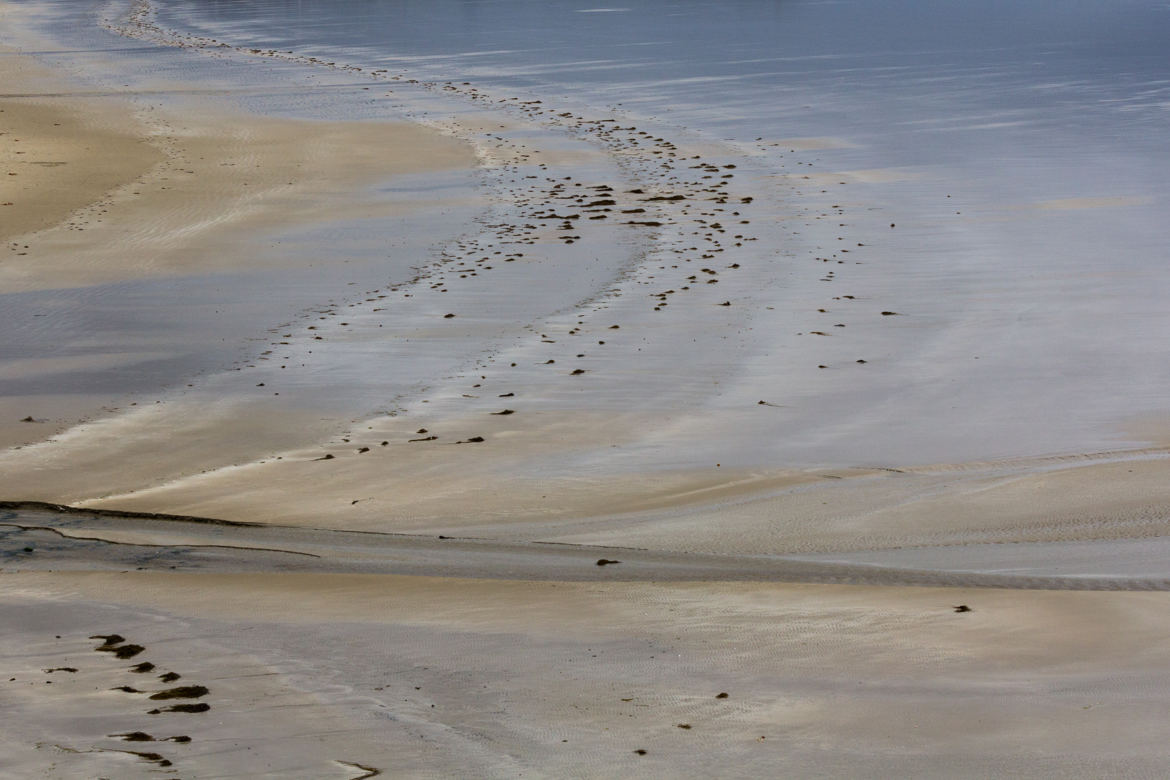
column 519, row 489
column 525, row 657
column 56, row 160
column 116, row 191
column 423, row 677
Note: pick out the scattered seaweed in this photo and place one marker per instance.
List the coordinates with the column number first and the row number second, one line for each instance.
column 182, row 692
column 127, row 651
column 201, row 707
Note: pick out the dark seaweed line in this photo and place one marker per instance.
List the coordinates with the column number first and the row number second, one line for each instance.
column 99, row 539
column 44, row 506
column 756, row 568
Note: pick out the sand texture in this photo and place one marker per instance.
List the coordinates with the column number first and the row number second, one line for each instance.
column 354, row 425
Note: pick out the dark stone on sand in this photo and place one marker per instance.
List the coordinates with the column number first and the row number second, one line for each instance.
column 723, row 695
column 686, row 726
column 179, row 738
column 201, row 707
column 126, row 689
column 182, row 692
column 61, row 669
column 143, row 668
column 169, row 677
column 505, row 395
column 326, row 457
column 111, row 646
column 425, row 438
column 504, row 412
column 889, row 313
column 363, row 449
column 448, row 316
column 862, row 361
column 963, row 608
column 153, row 757
column 472, row 440
column 606, row 562
column 135, row 736
column 27, row 419
column 725, row 303
column 576, row 371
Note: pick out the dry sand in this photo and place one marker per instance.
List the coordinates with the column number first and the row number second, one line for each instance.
column 348, row 637
column 314, row 675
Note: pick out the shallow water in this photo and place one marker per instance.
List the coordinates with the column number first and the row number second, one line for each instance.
column 1020, row 149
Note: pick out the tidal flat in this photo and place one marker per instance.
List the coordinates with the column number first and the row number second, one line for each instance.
column 486, row 389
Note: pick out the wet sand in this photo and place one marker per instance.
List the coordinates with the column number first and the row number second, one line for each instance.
column 109, row 193
column 496, row 513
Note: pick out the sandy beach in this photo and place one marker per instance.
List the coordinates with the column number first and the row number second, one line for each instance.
column 417, row 430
